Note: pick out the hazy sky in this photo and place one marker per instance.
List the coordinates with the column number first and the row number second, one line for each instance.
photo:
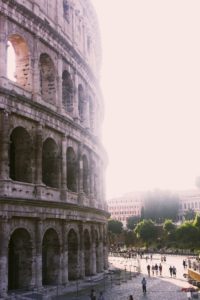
column 150, row 80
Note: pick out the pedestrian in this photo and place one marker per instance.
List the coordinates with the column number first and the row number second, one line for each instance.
column 156, row 269
column 148, row 269
column 152, row 269
column 171, row 270
column 184, row 264
column 160, row 269
column 92, row 294
column 189, row 295
column 101, row 296
column 144, row 285
column 174, row 271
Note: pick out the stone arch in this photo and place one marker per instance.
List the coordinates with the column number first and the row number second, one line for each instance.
column 20, row 155
column 71, row 170
column 85, row 175
column 73, row 271
column 87, row 253
column 50, row 257
column 21, row 60
column 19, row 260
column 50, row 163
column 47, row 78
column 67, row 91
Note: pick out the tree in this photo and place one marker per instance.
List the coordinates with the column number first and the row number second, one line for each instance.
column 115, row 226
column 146, row 231
column 189, row 214
column 132, row 222
column 160, row 205
column 129, row 237
column 169, row 227
column 187, row 234
column 196, row 221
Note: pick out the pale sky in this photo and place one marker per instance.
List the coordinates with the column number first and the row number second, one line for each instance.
column 150, row 80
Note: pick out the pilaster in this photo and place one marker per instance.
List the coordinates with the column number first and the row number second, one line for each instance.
column 3, row 257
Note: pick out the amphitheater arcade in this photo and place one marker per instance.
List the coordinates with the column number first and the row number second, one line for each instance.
column 53, row 214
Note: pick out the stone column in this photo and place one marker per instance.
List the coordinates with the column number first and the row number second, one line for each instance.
column 64, row 261
column 105, row 246
column 75, row 100
column 5, row 144
column 38, row 257
column 93, row 252
column 81, row 263
column 101, row 256
column 59, row 84
column 80, row 175
column 36, row 88
column 38, row 159
column 3, row 48
column 91, row 174
column 3, row 257
column 64, row 169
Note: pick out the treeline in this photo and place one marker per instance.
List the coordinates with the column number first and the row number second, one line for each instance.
column 157, row 226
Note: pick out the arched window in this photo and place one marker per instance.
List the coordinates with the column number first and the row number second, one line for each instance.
column 73, row 270
column 50, row 258
column 47, row 78
column 67, row 92
column 50, row 163
column 20, row 260
column 71, row 170
column 20, row 155
column 18, row 61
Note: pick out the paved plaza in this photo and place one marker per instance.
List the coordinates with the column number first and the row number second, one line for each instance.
column 119, row 286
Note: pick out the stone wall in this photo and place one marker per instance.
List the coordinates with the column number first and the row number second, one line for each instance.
column 53, row 214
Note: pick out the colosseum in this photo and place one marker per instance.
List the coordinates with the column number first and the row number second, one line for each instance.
column 53, row 213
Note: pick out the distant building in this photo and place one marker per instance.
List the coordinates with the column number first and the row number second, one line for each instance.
column 125, row 206
column 128, row 205
column 188, row 200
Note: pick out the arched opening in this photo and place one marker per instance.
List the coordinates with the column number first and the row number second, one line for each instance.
column 20, row 155
column 87, row 253
column 18, row 61
column 67, row 92
column 97, row 251
column 47, row 78
column 19, row 260
column 50, row 258
column 81, row 102
column 85, row 175
column 73, row 271
column 71, row 170
column 50, row 163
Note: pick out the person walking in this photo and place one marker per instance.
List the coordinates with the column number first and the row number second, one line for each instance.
column 153, row 269
column 156, row 269
column 101, row 296
column 174, row 271
column 148, row 269
column 160, row 269
column 144, row 285
column 92, row 294
column 170, row 271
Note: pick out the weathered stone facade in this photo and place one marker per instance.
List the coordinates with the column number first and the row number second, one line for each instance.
column 53, row 214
